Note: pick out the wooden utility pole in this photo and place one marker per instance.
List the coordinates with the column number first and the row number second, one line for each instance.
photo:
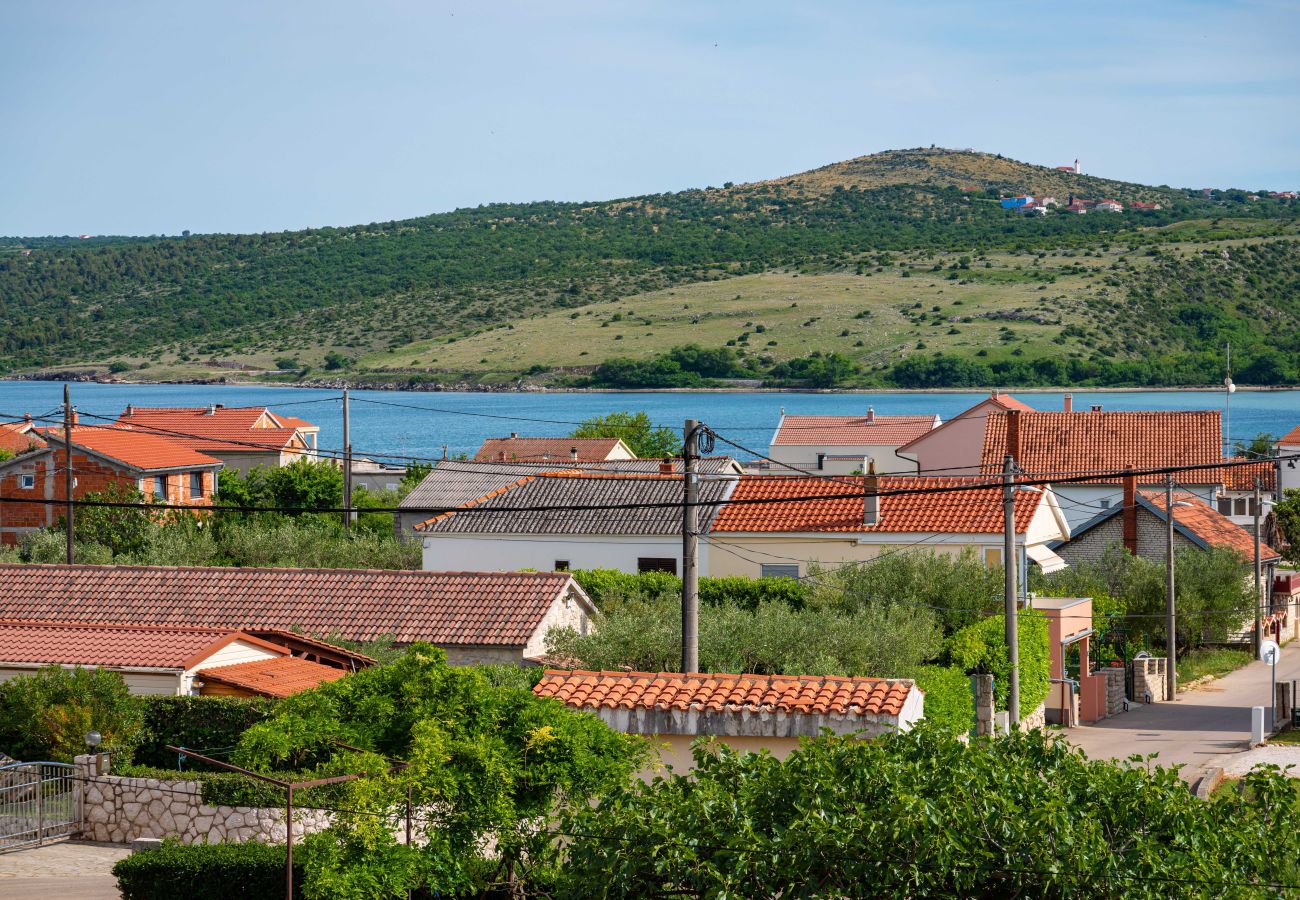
column 1171, row 621
column 1259, row 576
column 690, row 546
column 67, row 471
column 1010, row 611
column 347, row 463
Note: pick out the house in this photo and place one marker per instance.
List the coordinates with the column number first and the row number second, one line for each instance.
column 1033, row 209
column 476, row 617
column 24, row 475
column 544, row 449
column 454, row 482
column 1142, row 204
column 956, row 447
column 1288, row 463
column 19, row 437
column 747, row 712
column 557, row 521
column 1078, row 444
column 375, row 476
column 177, row 659
column 1108, row 206
column 838, row 445
column 243, row 438
column 1077, row 207
column 1236, row 499
column 779, row 526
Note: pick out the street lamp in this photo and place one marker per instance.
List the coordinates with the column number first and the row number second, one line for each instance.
column 93, row 740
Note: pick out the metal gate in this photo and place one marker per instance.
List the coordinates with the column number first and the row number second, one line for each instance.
column 39, row 802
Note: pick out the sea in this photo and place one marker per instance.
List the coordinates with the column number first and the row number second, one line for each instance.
column 397, row 426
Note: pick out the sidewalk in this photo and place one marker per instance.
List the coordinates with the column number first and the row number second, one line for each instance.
column 69, row 870
column 1202, row 724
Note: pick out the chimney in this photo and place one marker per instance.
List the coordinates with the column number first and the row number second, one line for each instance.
column 871, row 414
column 665, row 467
column 1096, row 407
column 573, row 453
column 502, row 456
column 212, row 410
column 130, row 410
column 75, row 418
column 513, row 435
column 870, row 487
column 1068, row 403
column 993, row 394
column 1013, row 434
column 1130, row 513
column 27, row 417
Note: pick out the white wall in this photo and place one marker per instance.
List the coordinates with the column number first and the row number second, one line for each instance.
column 511, row 553
column 1288, row 478
column 1081, row 502
column 159, row 682
column 804, row 456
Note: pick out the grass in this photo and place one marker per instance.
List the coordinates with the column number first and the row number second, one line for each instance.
column 1290, row 736
column 1216, row 662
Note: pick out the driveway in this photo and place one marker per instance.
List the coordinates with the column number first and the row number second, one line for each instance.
column 70, row 870
column 1203, row 724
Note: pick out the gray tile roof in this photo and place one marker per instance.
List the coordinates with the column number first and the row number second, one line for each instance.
column 454, row 483
column 545, row 504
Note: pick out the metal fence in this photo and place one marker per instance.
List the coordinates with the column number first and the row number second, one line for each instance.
column 39, row 802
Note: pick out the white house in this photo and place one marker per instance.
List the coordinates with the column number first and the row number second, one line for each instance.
column 837, row 445
column 1288, row 470
column 956, row 447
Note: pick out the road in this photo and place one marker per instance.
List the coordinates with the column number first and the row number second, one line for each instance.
column 68, row 870
column 1202, row 724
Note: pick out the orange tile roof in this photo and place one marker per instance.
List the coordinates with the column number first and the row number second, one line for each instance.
column 280, row 676
column 1242, row 478
column 1201, row 521
column 1006, row 401
column 203, row 428
column 18, row 437
column 808, row 694
column 547, row 449
column 136, row 450
column 1291, row 438
column 449, row 608
column 852, row 430
column 975, row 511
column 111, row 644
column 1078, row 443
column 295, row 422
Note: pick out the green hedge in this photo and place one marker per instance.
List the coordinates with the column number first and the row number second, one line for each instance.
column 982, row 647
column 249, row 871
column 949, row 705
column 747, row 593
column 233, row 789
column 199, row 723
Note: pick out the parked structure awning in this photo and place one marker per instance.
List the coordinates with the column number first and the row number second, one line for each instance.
column 1046, row 559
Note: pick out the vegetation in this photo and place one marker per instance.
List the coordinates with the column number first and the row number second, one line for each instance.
column 1210, row 661
column 643, row 437
column 925, row 815
column 47, row 715
column 613, row 585
column 1286, row 513
column 1139, row 297
column 207, row 872
column 199, row 723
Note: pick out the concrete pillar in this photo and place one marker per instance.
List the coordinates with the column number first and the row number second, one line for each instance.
column 1256, row 725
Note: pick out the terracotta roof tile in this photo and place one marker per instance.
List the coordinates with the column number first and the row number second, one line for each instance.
column 277, row 677
column 1291, row 438
column 19, row 437
column 810, row 694
column 84, row 644
column 1208, row 524
column 226, row 429
column 544, row 449
column 1077, row 443
column 143, row 452
column 852, row 430
column 448, row 608
column 976, row 511
column 1242, row 478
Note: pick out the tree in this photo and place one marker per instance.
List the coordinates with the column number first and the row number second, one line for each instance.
column 48, row 714
column 636, row 430
column 1258, row 447
column 302, row 486
column 120, row 529
column 1286, row 513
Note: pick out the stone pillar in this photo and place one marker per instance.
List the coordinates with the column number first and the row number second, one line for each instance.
column 982, row 691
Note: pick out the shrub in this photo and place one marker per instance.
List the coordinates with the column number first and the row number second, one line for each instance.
column 982, row 647
column 203, row 724
column 47, row 715
column 250, row 871
column 949, row 706
column 610, row 585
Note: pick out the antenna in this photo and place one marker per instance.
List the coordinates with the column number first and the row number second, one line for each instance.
column 1228, row 390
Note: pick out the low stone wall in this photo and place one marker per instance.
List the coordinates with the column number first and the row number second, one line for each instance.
column 120, row 810
column 1036, row 720
column 1149, row 679
column 1114, row 676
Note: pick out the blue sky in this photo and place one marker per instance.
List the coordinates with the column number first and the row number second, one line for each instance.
column 152, row 117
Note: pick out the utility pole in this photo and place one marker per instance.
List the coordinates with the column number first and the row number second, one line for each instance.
column 347, row 463
column 690, row 545
column 1259, row 575
column 1010, row 611
column 1171, row 662
column 67, row 469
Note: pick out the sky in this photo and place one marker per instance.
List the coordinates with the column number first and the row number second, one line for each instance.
column 137, row 117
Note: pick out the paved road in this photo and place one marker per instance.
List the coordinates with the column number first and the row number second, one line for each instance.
column 1202, row 724
column 71, row 870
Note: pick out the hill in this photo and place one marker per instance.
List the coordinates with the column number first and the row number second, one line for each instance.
column 496, row 293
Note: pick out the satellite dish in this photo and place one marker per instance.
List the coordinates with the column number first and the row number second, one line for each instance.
column 1227, row 383
column 1270, row 652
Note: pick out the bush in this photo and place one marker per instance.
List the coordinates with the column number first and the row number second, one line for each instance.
column 949, row 706
column 203, row 724
column 46, row 715
column 982, row 647
column 610, row 585
column 250, row 871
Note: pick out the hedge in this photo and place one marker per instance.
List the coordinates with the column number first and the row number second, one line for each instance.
column 982, row 647
column 250, row 871
column 747, row 593
column 949, row 705
column 199, row 723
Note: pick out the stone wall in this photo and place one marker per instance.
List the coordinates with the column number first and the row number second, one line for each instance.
column 1149, row 678
column 1036, row 720
column 119, row 810
column 1114, row 689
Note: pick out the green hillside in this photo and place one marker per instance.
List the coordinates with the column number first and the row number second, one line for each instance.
column 898, row 268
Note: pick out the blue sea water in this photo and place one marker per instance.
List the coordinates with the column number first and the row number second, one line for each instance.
column 420, row 424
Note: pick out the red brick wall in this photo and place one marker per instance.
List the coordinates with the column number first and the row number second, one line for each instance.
column 16, row 519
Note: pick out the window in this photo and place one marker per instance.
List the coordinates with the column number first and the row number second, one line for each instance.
column 1225, row 506
column 992, row 557
column 1251, row 507
column 785, row 571
column 196, row 485
column 26, row 482
column 561, row 565
column 656, row 564
column 160, row 487
column 1239, row 506
column 1105, row 504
